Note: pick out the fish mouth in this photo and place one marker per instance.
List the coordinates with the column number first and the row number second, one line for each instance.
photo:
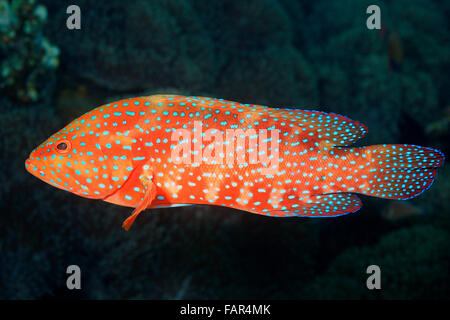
column 31, row 168
column 47, row 178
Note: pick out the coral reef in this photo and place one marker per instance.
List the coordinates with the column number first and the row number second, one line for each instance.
column 414, row 264
column 356, row 60
column 221, row 47
column 27, row 56
column 291, row 82
column 140, row 45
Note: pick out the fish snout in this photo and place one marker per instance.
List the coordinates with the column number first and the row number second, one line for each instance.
column 31, row 168
column 28, row 165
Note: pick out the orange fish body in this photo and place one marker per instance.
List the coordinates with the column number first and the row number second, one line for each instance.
column 167, row 150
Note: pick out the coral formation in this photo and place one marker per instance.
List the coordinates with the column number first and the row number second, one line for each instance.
column 140, row 45
column 27, row 56
column 414, row 264
column 358, row 59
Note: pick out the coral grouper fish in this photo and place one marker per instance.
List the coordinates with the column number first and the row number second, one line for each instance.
column 168, row 150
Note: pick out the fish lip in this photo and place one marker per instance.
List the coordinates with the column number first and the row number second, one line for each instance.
column 30, row 167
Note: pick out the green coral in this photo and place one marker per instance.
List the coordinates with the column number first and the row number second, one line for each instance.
column 26, row 55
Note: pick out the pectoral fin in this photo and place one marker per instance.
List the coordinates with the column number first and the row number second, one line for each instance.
column 149, row 191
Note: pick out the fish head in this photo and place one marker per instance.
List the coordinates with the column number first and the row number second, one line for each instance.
column 74, row 159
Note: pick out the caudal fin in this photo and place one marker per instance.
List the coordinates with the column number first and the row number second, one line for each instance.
column 400, row 171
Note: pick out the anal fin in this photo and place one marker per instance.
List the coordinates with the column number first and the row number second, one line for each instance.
column 317, row 206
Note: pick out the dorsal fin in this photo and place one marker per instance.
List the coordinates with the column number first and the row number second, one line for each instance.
column 331, row 129
column 334, row 129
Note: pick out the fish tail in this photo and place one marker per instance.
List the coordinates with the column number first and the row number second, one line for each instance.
column 399, row 172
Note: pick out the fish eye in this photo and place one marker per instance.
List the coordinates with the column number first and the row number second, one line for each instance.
column 63, row 146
